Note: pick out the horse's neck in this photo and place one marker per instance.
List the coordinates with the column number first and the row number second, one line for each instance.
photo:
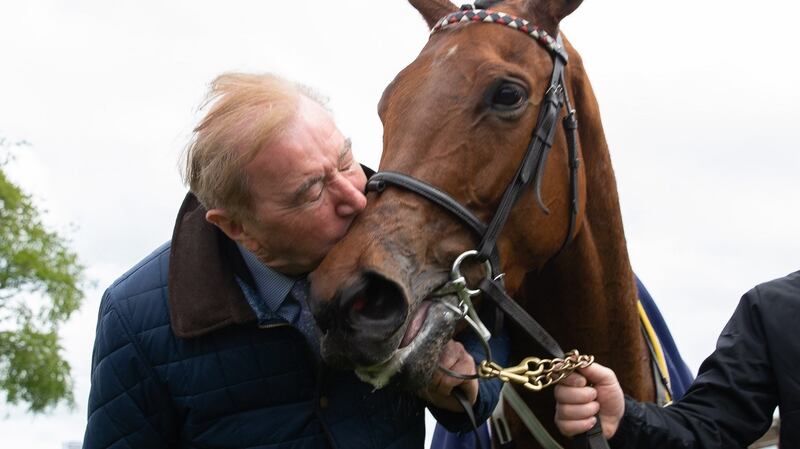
column 586, row 297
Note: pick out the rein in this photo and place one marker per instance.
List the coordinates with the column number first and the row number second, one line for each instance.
column 532, row 373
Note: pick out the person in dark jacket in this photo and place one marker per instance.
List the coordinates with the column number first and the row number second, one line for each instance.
column 754, row 369
column 208, row 341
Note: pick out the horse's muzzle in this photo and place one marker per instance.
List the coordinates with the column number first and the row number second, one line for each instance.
column 364, row 324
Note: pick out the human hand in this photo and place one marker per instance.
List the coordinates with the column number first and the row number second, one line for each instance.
column 577, row 403
column 455, row 358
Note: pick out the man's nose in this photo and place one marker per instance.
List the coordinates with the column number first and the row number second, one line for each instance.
column 351, row 200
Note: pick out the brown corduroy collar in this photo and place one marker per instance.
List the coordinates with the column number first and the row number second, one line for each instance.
column 203, row 264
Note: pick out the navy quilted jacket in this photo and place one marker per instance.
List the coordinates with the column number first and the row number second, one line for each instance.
column 192, row 369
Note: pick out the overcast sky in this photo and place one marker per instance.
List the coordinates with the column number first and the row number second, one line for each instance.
column 699, row 101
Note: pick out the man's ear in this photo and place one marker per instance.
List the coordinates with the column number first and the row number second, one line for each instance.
column 232, row 227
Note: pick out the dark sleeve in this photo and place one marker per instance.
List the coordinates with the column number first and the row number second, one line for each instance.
column 488, row 390
column 127, row 406
column 731, row 402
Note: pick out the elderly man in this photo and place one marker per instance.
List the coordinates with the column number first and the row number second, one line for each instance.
column 208, row 342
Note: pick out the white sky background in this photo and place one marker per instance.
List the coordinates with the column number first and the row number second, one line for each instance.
column 699, row 102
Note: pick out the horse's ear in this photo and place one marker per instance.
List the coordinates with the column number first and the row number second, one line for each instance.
column 433, row 10
column 549, row 13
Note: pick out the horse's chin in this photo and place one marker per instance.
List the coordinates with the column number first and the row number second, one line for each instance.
column 411, row 366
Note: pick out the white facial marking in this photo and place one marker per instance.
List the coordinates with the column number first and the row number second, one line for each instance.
column 451, row 51
column 447, row 55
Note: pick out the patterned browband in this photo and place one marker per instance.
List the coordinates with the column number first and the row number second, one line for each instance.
column 467, row 14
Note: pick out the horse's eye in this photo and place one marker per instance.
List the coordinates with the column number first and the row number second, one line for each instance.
column 508, row 99
column 509, row 96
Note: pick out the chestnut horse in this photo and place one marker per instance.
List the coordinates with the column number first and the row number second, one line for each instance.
column 460, row 118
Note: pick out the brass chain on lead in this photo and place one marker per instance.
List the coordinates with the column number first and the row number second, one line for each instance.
column 534, row 373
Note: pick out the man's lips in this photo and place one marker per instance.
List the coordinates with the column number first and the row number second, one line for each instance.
column 416, row 323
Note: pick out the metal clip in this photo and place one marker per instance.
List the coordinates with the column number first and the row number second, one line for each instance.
column 466, row 294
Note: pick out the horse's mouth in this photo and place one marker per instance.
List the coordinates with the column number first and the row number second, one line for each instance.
column 420, row 317
column 423, row 337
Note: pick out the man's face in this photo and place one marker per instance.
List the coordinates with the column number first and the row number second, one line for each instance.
column 306, row 189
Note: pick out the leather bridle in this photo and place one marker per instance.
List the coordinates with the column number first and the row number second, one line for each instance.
column 529, row 172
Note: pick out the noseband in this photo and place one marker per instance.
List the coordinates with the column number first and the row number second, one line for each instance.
column 530, row 171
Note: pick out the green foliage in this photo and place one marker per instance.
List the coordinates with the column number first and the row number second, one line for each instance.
column 40, row 286
column 33, row 370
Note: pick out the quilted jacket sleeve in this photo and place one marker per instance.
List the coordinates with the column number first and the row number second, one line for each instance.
column 488, row 390
column 128, row 408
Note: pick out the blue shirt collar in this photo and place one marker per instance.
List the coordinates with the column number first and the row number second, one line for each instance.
column 272, row 287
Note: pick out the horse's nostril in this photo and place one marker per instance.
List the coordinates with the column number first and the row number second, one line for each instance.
column 359, row 304
column 374, row 305
column 376, row 302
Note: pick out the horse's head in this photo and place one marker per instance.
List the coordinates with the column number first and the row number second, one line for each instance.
column 460, row 118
